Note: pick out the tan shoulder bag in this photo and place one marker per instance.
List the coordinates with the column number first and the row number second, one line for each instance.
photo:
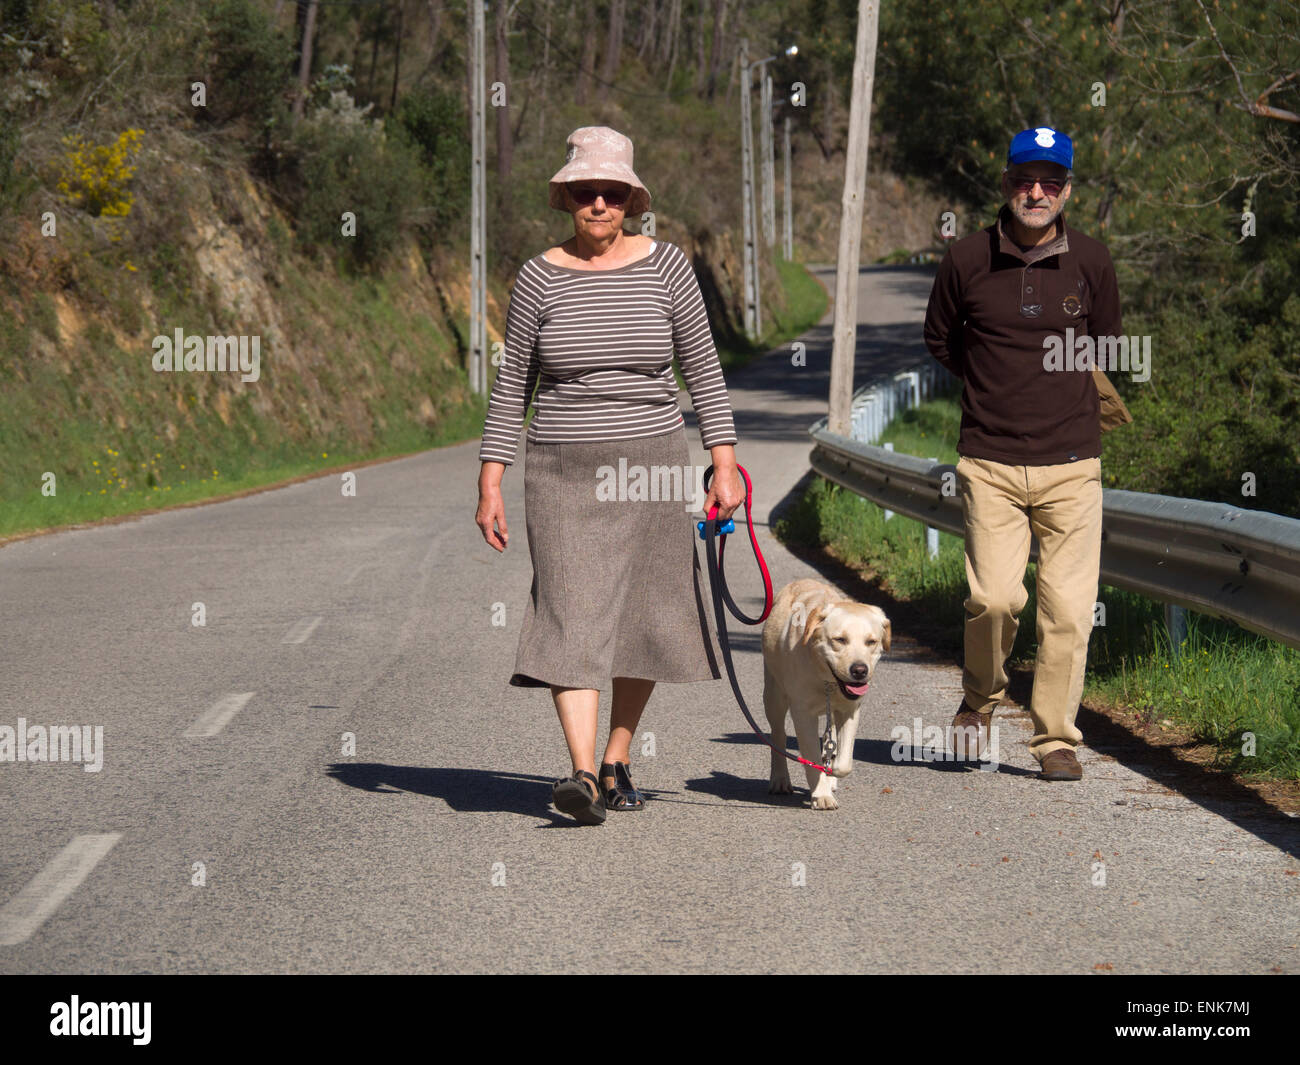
column 1113, row 411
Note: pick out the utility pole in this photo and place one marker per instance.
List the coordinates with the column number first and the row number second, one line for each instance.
column 753, row 315
column 785, row 200
column 753, row 325
column 769, row 164
column 478, row 213
column 843, row 346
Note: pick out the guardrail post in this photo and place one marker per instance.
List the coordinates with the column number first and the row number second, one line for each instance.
column 932, row 536
column 1176, row 626
column 912, row 382
column 889, row 513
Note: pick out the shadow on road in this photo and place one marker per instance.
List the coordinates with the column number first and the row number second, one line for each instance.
column 1213, row 789
column 464, row 790
column 879, row 752
column 753, row 790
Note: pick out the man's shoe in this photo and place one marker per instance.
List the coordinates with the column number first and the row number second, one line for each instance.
column 969, row 728
column 1061, row 765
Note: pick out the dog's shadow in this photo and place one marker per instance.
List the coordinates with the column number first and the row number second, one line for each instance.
column 873, row 752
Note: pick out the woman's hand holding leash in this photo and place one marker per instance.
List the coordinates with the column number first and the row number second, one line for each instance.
column 726, row 490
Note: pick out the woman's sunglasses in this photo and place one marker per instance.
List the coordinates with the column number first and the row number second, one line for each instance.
column 585, row 195
column 1051, row 188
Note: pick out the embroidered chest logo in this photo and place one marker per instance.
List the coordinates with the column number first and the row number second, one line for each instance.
column 1073, row 304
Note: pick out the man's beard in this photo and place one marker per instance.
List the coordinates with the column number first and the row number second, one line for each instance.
column 1039, row 219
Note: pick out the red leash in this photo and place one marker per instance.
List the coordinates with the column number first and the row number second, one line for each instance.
column 718, row 584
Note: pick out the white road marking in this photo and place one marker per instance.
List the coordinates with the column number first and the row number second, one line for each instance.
column 31, row 907
column 301, row 630
column 217, row 716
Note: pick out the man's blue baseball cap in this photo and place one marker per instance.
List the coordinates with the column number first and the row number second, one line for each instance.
column 1041, row 142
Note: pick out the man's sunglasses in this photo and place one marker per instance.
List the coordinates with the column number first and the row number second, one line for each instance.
column 1050, row 187
column 585, row 195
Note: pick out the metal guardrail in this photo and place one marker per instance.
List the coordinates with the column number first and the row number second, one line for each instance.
column 876, row 404
column 1216, row 559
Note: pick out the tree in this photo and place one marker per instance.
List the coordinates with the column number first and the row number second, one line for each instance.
column 613, row 46
column 304, row 60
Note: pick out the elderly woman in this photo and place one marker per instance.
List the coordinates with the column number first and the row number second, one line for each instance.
column 616, row 592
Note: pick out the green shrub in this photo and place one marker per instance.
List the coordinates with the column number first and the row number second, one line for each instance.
column 14, row 185
column 1221, row 403
column 433, row 123
column 251, row 62
column 43, row 42
column 343, row 162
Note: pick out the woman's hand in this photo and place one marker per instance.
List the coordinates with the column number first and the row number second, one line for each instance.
column 726, row 491
column 491, row 507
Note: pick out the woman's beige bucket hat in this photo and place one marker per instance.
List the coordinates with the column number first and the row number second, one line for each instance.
column 598, row 153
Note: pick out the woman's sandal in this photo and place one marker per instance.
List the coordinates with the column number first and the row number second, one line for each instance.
column 573, row 797
column 623, row 795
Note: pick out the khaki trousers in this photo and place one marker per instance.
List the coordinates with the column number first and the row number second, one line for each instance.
column 1061, row 505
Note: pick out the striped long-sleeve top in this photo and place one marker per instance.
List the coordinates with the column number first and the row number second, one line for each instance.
column 601, row 344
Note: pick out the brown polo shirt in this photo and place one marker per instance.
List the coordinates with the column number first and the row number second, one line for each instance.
column 991, row 307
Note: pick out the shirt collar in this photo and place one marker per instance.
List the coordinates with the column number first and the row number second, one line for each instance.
column 1056, row 246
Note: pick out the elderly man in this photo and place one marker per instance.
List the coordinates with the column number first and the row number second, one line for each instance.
column 1030, row 440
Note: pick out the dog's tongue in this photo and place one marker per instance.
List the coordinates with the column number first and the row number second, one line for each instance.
column 856, row 689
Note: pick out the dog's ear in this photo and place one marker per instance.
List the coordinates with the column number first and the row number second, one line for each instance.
column 813, row 622
column 889, row 631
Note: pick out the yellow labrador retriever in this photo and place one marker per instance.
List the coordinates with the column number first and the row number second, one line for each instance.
column 819, row 649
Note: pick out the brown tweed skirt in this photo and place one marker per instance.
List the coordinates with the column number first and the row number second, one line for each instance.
column 618, row 587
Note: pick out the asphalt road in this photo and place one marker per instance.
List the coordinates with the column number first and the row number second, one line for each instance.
column 228, row 830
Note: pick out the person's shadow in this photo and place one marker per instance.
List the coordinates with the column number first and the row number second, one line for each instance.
column 464, row 790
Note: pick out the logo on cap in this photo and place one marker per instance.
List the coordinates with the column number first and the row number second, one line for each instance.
column 1041, row 143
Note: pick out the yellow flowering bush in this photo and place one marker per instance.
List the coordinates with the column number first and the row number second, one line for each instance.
column 96, row 175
